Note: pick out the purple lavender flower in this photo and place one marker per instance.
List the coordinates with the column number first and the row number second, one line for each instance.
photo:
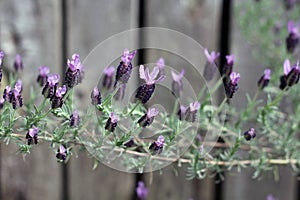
column 108, row 77
column 7, row 94
column 16, row 98
column 293, row 38
column 61, row 154
column 148, row 118
column 51, row 85
column 290, row 76
column 271, row 197
column 227, row 69
column 42, row 78
column 141, row 191
column 232, row 85
column 161, row 65
column 2, row 100
column 157, row 146
column 18, row 64
column 96, row 96
column 57, row 100
column 125, row 67
column 177, row 85
column 289, row 4
column 191, row 112
column 74, row 72
column 264, row 80
column 248, row 135
column 210, row 69
column 112, row 122
column 1, row 59
column 75, row 119
column 181, row 112
column 129, row 143
column 32, row 135
column 120, row 93
column 145, row 91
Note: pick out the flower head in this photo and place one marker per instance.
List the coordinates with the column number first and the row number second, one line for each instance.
column 292, row 39
column 264, row 80
column 160, row 141
column 75, row 63
column 18, row 64
column 53, row 79
column 61, row 154
column 157, row 146
column 127, row 57
column 291, row 74
column 191, row 112
column 1, row 57
column 181, row 112
column 96, row 96
column 75, row 71
column 42, row 77
column 141, row 190
column 271, row 197
column 57, row 99
column 32, row 135
column 194, row 106
column 114, row 118
column 150, row 78
column 211, row 58
column 61, row 91
column 177, row 85
column 148, row 118
column 112, row 122
column 230, row 59
column 74, row 119
column 292, row 28
column 250, row 134
column 109, row 71
column 108, row 77
column 160, row 63
column 18, row 86
column 235, row 78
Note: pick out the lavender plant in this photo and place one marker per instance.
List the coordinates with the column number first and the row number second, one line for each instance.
column 271, row 139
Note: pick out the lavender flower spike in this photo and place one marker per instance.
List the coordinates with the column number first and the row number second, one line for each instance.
column 177, row 86
column 1, row 59
column 191, row 113
column 141, row 191
column 210, row 68
column 61, row 154
column 148, row 118
column 51, row 85
column 57, row 100
column 96, row 96
column 145, row 91
column 293, row 38
column 264, row 80
column 42, row 78
column 290, row 76
column 16, row 98
column 250, row 134
column 75, row 119
column 181, row 112
column 32, row 135
column 108, row 77
column 74, row 72
column 232, row 85
column 18, row 64
column 227, row 69
column 125, row 67
column 112, row 122
column 7, row 94
column 157, row 146
column 161, row 65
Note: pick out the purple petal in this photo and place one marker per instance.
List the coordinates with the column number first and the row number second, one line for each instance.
column 127, row 56
column 234, row 77
column 109, row 71
column 177, row 77
column 160, row 141
column 62, row 149
column 75, row 63
column 95, row 91
column 18, row 86
column 114, row 118
column 53, row 79
column 160, row 63
column 230, row 59
column 154, row 73
column 1, row 57
column 286, row 67
column 61, row 91
column 211, row 57
column 44, row 70
column 152, row 112
column 267, row 74
column 194, row 106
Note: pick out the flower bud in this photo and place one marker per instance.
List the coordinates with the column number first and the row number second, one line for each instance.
column 18, row 64
column 32, row 135
column 61, row 154
column 157, row 146
column 96, row 96
column 112, row 122
column 148, row 118
column 75, row 119
column 248, row 135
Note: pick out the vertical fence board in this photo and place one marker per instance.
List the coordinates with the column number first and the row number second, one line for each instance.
column 91, row 22
column 198, row 20
column 29, row 28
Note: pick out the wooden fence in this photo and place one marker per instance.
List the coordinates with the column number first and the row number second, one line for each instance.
column 46, row 32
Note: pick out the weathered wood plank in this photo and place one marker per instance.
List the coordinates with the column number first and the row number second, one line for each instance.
column 29, row 28
column 91, row 22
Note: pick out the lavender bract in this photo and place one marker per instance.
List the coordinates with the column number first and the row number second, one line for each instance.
column 209, row 68
column 293, row 38
column 43, row 75
column 61, row 154
column 125, row 67
column 18, row 64
column 108, row 77
column 145, row 91
column 191, row 112
column 96, row 96
column 112, row 122
column 141, row 191
column 157, row 146
column 32, row 135
column 75, row 119
column 250, row 134
column 57, row 100
column 74, row 72
column 51, row 85
column 290, row 76
column 265, row 79
column 177, row 85
column 227, row 68
column 147, row 119
column 181, row 112
column 16, row 98
column 232, row 85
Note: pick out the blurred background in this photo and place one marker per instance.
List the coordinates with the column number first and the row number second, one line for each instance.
column 47, row 32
